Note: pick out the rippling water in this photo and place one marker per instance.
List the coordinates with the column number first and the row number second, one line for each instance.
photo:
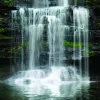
column 73, row 91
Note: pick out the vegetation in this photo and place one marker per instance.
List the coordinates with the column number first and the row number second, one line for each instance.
column 16, row 49
column 90, row 52
column 93, row 3
column 8, row 2
column 2, row 30
column 4, row 37
column 1, row 20
column 72, row 44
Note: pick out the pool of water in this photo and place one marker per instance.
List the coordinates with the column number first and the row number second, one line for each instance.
column 74, row 91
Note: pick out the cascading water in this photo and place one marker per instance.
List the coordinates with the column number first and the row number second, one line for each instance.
column 81, row 37
column 56, row 36
column 43, row 31
column 38, row 3
column 63, row 3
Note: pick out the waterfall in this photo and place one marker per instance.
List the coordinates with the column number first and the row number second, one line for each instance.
column 38, row 3
column 56, row 36
column 80, row 18
column 42, row 31
column 63, row 3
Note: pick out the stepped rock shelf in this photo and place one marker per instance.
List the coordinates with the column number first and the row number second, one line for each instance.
column 43, row 61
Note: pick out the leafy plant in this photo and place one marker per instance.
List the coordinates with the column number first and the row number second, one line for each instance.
column 1, row 20
column 8, row 2
column 3, row 36
column 72, row 44
column 93, row 3
column 2, row 30
column 91, row 52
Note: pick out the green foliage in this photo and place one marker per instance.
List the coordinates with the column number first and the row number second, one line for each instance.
column 72, row 44
column 90, row 45
column 77, row 44
column 2, row 30
column 91, row 52
column 93, row 3
column 1, row 20
column 9, row 50
column 3, row 36
column 17, row 49
column 98, row 24
column 8, row 2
